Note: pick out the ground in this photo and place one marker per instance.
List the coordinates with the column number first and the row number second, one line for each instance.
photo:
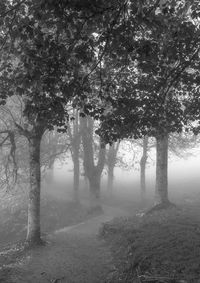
column 74, row 254
column 120, row 245
column 160, row 248
column 55, row 213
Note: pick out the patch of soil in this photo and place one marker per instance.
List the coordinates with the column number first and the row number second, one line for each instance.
column 161, row 247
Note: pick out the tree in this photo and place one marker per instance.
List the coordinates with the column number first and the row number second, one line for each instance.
column 147, row 92
column 92, row 171
column 111, row 162
column 178, row 144
column 46, row 48
column 75, row 141
column 53, row 147
column 143, row 162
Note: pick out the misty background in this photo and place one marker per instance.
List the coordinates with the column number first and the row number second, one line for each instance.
column 183, row 173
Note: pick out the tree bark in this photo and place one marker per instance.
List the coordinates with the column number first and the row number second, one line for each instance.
column 95, row 185
column 49, row 176
column 143, row 162
column 75, row 140
column 93, row 172
column 110, row 179
column 161, row 194
column 33, row 232
column 76, row 175
column 111, row 161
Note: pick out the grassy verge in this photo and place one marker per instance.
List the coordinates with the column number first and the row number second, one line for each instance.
column 163, row 247
column 55, row 214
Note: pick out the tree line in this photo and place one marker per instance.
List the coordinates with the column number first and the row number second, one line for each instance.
column 132, row 65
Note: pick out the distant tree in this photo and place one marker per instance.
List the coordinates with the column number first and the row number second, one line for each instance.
column 93, row 168
column 74, row 133
column 143, row 162
column 147, row 93
column 111, row 160
column 54, row 146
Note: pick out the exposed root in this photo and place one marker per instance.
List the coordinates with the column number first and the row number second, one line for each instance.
column 160, row 206
column 34, row 244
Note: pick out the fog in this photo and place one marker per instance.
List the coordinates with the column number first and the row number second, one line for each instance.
column 183, row 179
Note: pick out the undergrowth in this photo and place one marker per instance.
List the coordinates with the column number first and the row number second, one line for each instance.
column 55, row 214
column 163, row 247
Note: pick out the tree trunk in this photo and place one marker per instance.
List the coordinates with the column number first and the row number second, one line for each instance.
column 110, row 179
column 33, row 233
column 49, row 175
column 111, row 161
column 95, row 185
column 143, row 162
column 75, row 140
column 76, row 176
column 161, row 195
column 93, row 172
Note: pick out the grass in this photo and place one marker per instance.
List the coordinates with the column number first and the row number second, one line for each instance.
column 162, row 247
column 55, row 214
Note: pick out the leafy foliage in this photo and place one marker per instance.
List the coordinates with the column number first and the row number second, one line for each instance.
column 51, row 44
column 146, row 93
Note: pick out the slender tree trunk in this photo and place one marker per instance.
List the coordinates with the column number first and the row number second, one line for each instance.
column 86, row 183
column 76, row 175
column 143, row 162
column 161, row 195
column 111, row 161
column 49, row 176
column 33, row 232
column 110, row 180
column 75, row 139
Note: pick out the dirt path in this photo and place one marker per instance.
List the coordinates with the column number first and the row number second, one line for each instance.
column 73, row 255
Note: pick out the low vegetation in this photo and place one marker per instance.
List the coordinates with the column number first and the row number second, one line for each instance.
column 55, row 214
column 160, row 248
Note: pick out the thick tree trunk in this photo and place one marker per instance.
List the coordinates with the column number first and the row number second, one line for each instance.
column 143, row 162
column 92, row 171
column 161, row 194
column 95, row 185
column 33, row 232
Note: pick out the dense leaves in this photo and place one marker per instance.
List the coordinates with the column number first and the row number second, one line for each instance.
column 129, row 63
column 161, row 71
column 51, row 48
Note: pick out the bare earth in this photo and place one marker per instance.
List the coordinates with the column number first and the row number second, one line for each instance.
column 73, row 255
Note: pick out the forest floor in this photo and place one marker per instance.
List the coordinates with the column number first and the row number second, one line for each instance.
column 162, row 247
column 73, row 254
column 131, row 247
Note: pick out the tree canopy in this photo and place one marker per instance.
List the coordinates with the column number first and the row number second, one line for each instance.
column 147, row 92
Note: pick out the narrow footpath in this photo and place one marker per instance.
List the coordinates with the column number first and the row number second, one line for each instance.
column 73, row 255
